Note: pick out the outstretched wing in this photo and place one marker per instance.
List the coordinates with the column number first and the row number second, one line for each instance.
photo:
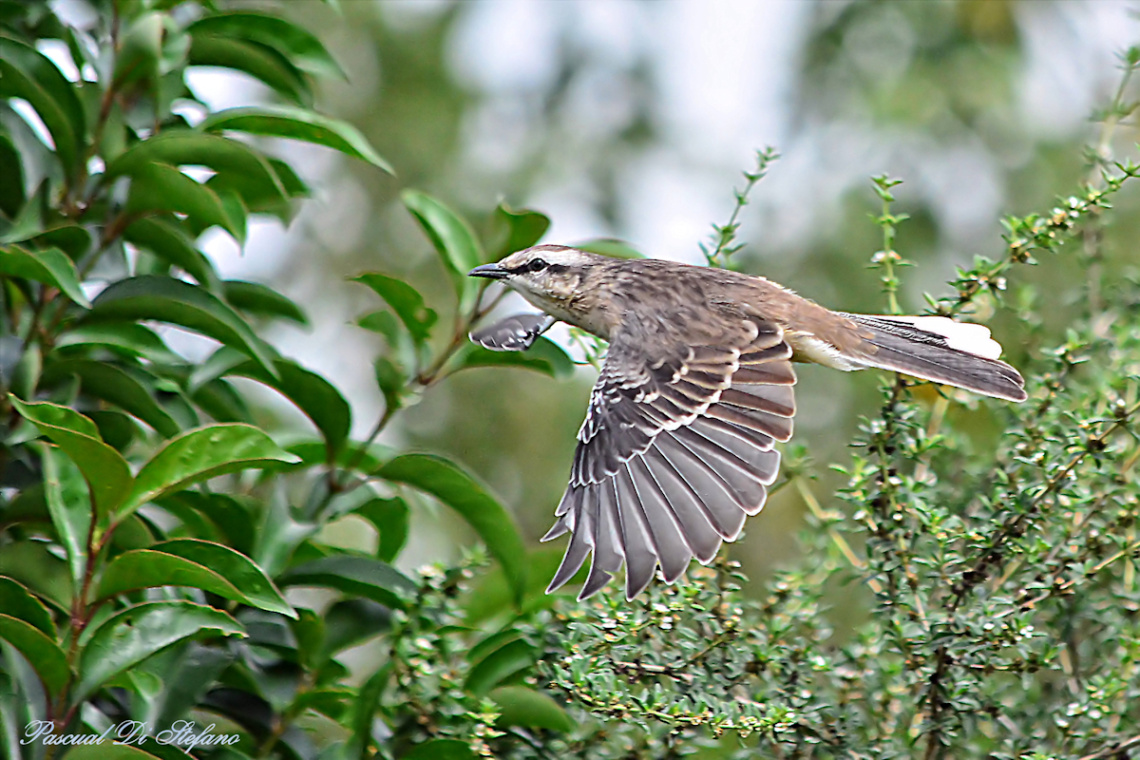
column 674, row 454
column 515, row 333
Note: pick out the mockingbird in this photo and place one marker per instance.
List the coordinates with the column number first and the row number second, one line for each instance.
column 677, row 446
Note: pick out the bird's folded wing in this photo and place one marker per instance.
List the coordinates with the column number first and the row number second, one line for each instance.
column 675, row 452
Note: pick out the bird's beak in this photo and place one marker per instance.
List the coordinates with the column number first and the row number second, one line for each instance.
column 490, row 271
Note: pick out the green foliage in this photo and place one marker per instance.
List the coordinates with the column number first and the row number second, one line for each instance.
column 166, row 555
column 142, row 562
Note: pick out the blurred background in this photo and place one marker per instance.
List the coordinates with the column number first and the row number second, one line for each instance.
column 634, row 120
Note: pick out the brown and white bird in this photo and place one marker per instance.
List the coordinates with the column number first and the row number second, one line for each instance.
column 677, row 448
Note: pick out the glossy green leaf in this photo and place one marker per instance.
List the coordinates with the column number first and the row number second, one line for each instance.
column 385, row 323
column 69, row 503
column 18, row 602
column 356, row 575
column 187, row 147
column 297, row 124
column 255, row 298
column 12, row 195
column 298, row 45
column 72, row 239
column 45, row 656
column 523, row 706
column 200, row 564
column 165, row 299
column 544, row 356
column 320, row 401
column 106, row 472
column 119, row 430
column 231, row 516
column 452, row 238
column 26, row 73
column 278, row 535
column 513, row 230
column 126, row 338
column 458, row 490
column 157, row 187
column 352, row 621
column 500, row 665
column 240, row 169
column 165, row 238
column 50, row 266
column 440, row 749
column 235, row 567
column 222, row 402
column 134, row 634
column 139, row 50
column 111, row 751
column 405, row 300
column 392, row 519
column 117, row 386
column 200, row 454
column 257, row 60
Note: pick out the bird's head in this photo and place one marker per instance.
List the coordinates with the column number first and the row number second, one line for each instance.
column 549, row 276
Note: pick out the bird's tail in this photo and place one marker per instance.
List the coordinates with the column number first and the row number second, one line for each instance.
column 942, row 351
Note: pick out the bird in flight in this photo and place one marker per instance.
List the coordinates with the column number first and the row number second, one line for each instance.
column 677, row 448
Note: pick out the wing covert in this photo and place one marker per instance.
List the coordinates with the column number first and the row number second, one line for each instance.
column 676, row 451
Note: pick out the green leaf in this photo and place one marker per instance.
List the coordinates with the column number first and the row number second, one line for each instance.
column 140, row 48
column 18, row 602
column 165, row 299
column 243, row 177
column 544, row 356
column 26, row 73
column 45, row 656
column 231, row 516
column 69, row 504
column 50, row 266
column 11, row 179
column 256, row 298
column 72, row 239
column 107, row 474
column 315, row 396
column 115, row 385
column 440, row 749
column 405, row 300
column 391, row 518
column 297, row 124
column 134, row 634
column 222, row 402
column 199, row 564
column 293, row 42
column 513, row 230
column 392, row 381
column 500, row 665
column 186, row 147
column 356, row 575
column 164, row 237
column 111, row 751
column 126, row 338
column 452, row 238
column 200, row 454
column 261, row 62
column 160, row 187
column 523, row 706
column 458, row 490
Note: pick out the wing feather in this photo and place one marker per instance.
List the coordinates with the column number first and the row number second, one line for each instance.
column 675, row 453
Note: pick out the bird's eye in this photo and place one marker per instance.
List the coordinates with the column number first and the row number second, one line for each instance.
column 536, row 265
